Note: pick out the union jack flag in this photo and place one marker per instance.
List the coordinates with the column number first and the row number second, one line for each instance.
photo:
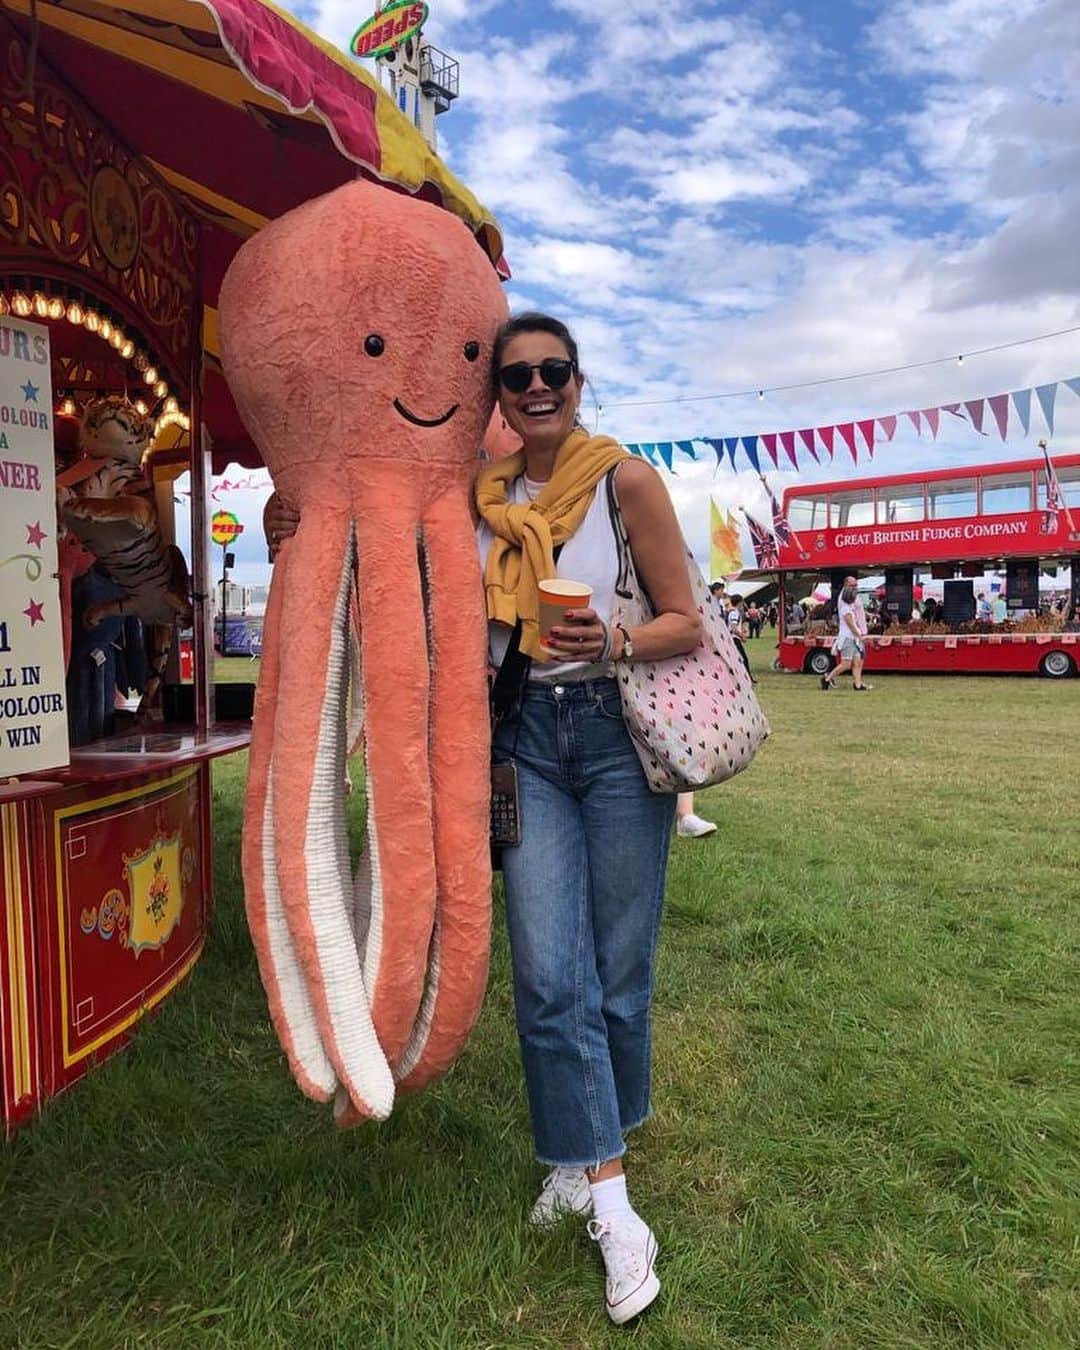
column 765, row 551
column 1055, row 498
column 785, row 536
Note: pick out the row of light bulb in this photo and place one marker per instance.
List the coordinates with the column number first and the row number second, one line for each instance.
column 41, row 306
column 170, row 415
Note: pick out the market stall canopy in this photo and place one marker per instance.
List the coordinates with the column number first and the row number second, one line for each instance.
column 245, row 114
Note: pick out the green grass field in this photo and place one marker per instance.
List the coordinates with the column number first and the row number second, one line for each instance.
column 867, row 1091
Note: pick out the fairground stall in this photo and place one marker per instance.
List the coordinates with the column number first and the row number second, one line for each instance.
column 140, row 145
column 985, row 535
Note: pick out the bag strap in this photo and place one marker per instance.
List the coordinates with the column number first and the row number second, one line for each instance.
column 628, row 585
column 513, row 670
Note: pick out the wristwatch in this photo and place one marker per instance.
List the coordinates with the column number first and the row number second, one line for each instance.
column 628, row 643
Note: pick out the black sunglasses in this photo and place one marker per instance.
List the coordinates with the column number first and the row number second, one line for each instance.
column 554, row 372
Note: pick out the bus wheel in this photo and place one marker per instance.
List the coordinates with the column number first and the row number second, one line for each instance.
column 819, row 662
column 1057, row 666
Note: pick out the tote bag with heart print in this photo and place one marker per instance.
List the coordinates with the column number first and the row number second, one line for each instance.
column 694, row 719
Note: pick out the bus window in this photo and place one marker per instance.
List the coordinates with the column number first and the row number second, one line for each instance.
column 1070, row 486
column 1006, row 493
column 956, row 497
column 898, row 504
column 808, row 513
column 851, row 508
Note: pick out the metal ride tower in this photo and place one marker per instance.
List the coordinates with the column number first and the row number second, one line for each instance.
column 421, row 80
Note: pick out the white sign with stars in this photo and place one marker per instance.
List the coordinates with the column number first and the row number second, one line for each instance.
column 33, row 705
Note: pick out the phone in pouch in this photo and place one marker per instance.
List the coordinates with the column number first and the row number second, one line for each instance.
column 505, row 813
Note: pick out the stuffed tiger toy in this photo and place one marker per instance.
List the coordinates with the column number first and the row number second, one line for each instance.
column 106, row 500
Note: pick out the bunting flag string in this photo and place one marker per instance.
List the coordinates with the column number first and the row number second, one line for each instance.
column 1007, row 412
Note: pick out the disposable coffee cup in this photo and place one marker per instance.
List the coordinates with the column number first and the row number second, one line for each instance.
column 556, row 597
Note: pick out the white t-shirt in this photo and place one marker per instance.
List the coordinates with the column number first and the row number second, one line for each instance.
column 857, row 613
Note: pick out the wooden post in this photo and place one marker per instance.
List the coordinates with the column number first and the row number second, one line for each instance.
column 201, row 469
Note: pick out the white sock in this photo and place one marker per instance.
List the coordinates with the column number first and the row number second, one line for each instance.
column 609, row 1198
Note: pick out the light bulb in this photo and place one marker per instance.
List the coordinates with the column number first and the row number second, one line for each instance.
column 150, row 375
column 56, row 308
column 67, row 407
column 21, row 305
column 116, row 339
column 41, row 305
column 960, row 360
column 140, row 407
column 127, row 351
column 761, row 394
column 105, row 330
column 161, row 389
column 5, row 308
column 91, row 322
column 75, row 312
column 171, row 405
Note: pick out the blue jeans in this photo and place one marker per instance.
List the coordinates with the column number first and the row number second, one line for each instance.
column 584, row 894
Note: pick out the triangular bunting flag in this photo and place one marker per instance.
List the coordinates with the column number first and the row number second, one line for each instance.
column 868, row 434
column 749, row 444
column 847, row 431
column 888, row 426
column 731, row 444
column 1074, row 385
column 769, row 442
column 687, row 447
column 787, row 440
column 717, row 447
column 1046, row 394
column 999, row 406
column 953, row 408
column 933, row 417
column 666, row 451
column 1022, row 403
column 916, row 421
column 976, row 408
column 827, row 435
column 807, row 438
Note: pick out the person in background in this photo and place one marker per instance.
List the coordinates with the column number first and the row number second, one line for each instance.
column 774, row 613
column 1000, row 608
column 850, row 644
column 687, row 824
column 737, row 629
column 754, row 620
column 983, row 612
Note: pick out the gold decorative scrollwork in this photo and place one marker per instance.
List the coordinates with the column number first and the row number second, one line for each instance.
column 72, row 193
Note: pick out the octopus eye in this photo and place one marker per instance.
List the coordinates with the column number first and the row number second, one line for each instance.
column 472, row 351
column 374, row 345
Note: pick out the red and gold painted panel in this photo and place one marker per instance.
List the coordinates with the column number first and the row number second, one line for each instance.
column 129, row 904
column 77, row 204
column 20, row 1059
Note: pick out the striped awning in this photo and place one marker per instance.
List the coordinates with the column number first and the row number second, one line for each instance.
column 245, row 113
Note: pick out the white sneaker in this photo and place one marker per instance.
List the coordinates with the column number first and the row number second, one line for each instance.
column 629, row 1249
column 565, row 1191
column 693, row 827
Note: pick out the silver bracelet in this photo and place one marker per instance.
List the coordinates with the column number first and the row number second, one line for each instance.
column 606, row 650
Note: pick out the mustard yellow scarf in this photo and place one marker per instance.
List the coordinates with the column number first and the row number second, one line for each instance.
column 526, row 535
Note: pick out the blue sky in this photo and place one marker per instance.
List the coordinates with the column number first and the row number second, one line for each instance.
column 722, row 197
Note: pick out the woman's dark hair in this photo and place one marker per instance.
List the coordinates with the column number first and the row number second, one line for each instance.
column 532, row 322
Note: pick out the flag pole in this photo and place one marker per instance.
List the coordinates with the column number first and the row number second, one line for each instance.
column 1052, row 478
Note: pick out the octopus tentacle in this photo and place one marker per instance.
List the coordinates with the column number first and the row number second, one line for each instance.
column 291, row 1009
column 308, row 767
column 460, row 758
column 396, row 883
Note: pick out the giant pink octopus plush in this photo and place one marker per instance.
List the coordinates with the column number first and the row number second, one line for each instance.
column 357, row 335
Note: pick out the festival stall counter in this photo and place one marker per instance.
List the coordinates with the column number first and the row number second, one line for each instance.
column 140, row 146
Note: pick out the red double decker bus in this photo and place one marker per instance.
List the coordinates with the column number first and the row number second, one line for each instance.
column 984, row 532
